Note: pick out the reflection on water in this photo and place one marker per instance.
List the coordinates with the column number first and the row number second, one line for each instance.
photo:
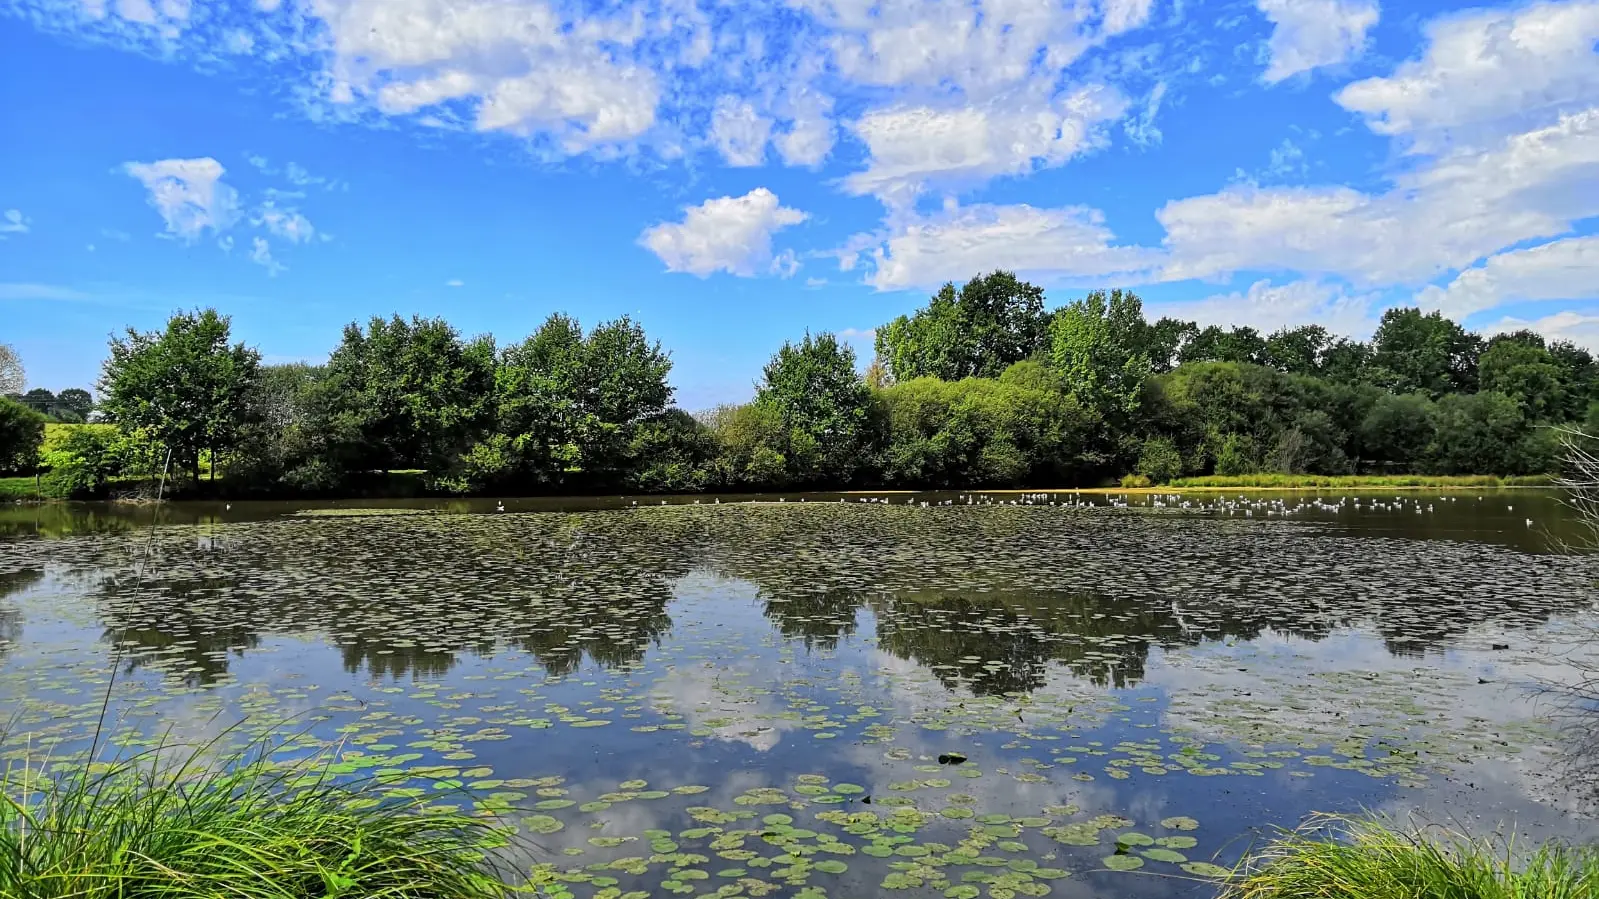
column 1104, row 669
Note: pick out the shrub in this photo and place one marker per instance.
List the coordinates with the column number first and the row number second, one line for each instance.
column 1159, row 461
column 1132, row 481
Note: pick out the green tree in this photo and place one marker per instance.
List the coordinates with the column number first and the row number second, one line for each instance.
column 568, row 404
column 1478, row 433
column 981, row 431
column 77, row 401
column 1413, row 351
column 1215, row 344
column 823, row 404
column 1094, row 344
column 1160, row 460
column 1164, row 341
column 402, row 395
column 21, row 434
column 185, row 387
column 1396, row 431
column 993, row 321
column 1297, row 350
column 1346, row 361
column 1527, row 373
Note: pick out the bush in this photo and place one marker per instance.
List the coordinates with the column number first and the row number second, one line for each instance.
column 1236, row 456
column 1159, row 461
column 21, row 435
column 1134, row 481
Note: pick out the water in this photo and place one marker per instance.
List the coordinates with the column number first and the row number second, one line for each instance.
column 755, row 697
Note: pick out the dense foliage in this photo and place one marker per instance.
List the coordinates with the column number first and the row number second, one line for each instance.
column 981, row 387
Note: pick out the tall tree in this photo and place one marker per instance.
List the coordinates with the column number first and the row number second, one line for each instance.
column 185, row 386
column 1413, row 350
column 568, row 404
column 13, row 378
column 1215, row 344
column 404, row 395
column 1164, row 341
column 823, row 404
column 1095, row 347
column 1527, row 373
column 993, row 321
column 1298, row 351
column 77, row 401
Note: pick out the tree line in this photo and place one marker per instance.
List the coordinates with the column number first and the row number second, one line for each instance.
column 983, row 386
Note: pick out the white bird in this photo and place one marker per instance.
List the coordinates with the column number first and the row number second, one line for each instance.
column 1529, row 522
column 500, row 506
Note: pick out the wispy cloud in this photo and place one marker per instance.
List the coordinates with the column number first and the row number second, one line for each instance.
column 26, row 291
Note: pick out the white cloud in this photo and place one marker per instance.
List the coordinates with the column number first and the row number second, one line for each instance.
column 261, row 254
column 1310, row 34
column 1485, row 74
column 1576, row 327
column 739, row 132
column 189, row 194
column 914, row 146
column 455, row 282
column 1439, row 217
column 1125, row 15
column 1561, row 270
column 288, row 224
column 39, row 292
column 1065, row 243
column 1268, row 307
column 731, row 234
column 12, row 221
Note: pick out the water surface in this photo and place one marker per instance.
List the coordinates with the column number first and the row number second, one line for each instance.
column 956, row 694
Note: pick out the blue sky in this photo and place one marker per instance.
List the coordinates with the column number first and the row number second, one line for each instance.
column 732, row 174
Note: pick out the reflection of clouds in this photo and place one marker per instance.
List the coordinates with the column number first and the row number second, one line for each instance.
column 1468, row 708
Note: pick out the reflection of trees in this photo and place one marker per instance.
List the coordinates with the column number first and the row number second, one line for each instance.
column 55, row 520
column 13, row 582
column 190, row 637
column 404, row 595
column 818, row 617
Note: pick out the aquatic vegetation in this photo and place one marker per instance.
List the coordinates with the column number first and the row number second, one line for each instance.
column 1352, row 858
column 801, row 698
column 155, row 825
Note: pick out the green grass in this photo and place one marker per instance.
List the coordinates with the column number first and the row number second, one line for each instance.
column 1343, row 858
column 1290, row 481
column 18, row 488
column 160, row 826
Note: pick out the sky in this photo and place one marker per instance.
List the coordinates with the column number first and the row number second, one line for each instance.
column 733, row 174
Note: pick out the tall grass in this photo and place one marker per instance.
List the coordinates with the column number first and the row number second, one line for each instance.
column 159, row 826
column 1345, row 858
column 1291, row 481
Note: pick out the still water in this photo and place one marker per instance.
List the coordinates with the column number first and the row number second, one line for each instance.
column 941, row 694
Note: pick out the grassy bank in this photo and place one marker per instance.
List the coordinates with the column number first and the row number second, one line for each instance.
column 23, row 488
column 1355, row 482
column 243, row 827
column 1342, row 858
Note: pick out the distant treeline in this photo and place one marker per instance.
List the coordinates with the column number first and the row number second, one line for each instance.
column 984, row 386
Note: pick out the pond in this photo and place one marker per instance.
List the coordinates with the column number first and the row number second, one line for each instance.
column 948, row 694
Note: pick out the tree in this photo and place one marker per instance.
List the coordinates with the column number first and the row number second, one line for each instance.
column 39, row 399
column 567, row 405
column 1164, row 341
column 1095, row 347
column 1297, row 350
column 1345, row 361
column 1396, row 430
column 993, row 321
column 185, row 387
column 21, row 434
column 822, row 403
column 77, row 401
column 1415, row 351
column 1213, row 344
column 1477, row 433
column 13, row 378
column 1527, row 373
column 403, row 395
